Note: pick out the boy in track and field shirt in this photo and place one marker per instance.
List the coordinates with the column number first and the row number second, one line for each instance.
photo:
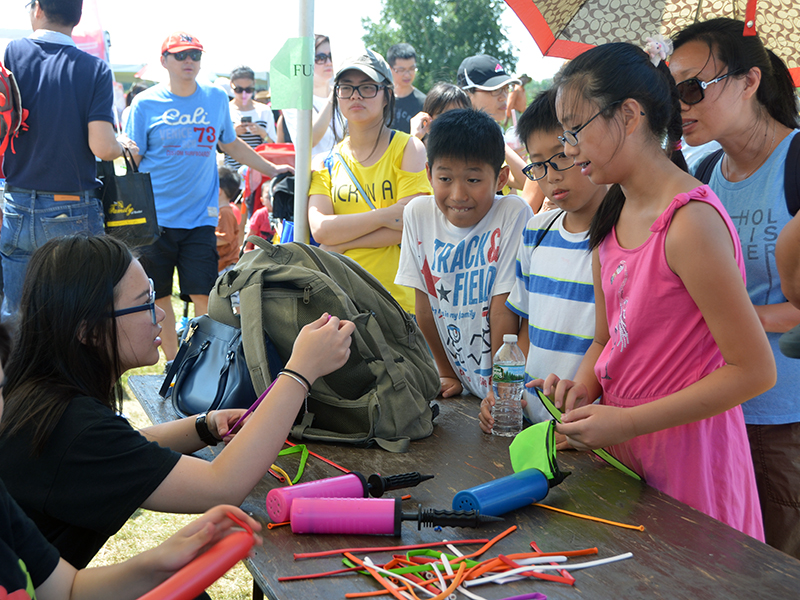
column 459, row 250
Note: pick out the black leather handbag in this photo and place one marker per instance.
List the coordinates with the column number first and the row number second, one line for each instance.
column 209, row 371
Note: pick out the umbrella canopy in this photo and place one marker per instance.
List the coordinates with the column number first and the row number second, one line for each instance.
column 565, row 28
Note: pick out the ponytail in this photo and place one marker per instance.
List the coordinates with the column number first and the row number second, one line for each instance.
column 675, row 124
column 778, row 95
column 606, row 216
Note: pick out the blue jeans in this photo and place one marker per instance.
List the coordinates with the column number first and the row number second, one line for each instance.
column 30, row 219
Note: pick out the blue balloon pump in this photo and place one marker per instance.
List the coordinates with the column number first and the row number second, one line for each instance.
column 503, row 495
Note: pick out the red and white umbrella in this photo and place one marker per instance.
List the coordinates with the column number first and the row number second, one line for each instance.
column 565, row 28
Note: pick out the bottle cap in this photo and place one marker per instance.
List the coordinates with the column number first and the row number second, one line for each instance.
column 509, row 338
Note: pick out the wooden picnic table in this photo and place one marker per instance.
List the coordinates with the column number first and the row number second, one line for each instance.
column 682, row 553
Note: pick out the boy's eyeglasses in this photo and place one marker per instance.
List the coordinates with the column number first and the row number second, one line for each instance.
column 321, row 58
column 151, row 306
column 195, row 55
column 365, row 90
column 571, row 137
column 538, row 170
column 241, row 90
column 692, row 90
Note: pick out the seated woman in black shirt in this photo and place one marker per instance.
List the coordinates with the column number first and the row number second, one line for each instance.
column 76, row 467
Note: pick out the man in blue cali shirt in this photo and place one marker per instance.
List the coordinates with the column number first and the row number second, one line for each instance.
column 52, row 188
column 177, row 126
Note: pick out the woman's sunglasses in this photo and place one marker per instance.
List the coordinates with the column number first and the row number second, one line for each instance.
column 195, row 55
column 692, row 90
column 322, row 58
column 241, row 90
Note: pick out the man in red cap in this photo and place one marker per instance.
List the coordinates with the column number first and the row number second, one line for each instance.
column 178, row 126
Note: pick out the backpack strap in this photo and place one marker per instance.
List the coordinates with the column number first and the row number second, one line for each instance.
column 706, row 166
column 791, row 173
column 255, row 349
column 248, row 283
column 791, row 176
column 384, row 350
column 540, row 237
column 397, row 445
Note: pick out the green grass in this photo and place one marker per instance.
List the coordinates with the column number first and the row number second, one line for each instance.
column 146, row 529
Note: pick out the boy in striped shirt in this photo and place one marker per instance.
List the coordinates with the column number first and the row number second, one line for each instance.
column 553, row 292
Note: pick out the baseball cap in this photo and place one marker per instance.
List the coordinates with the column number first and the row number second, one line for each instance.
column 483, row 72
column 371, row 64
column 179, row 41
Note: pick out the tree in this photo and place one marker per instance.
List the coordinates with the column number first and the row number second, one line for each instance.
column 443, row 33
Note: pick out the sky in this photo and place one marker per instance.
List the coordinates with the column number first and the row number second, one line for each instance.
column 252, row 31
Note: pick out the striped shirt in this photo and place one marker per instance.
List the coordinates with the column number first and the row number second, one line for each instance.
column 554, row 291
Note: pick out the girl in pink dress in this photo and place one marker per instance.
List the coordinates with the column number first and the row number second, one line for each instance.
column 678, row 346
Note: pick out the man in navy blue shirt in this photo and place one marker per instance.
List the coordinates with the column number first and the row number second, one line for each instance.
column 51, row 181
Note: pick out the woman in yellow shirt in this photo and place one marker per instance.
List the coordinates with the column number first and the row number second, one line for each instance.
column 386, row 166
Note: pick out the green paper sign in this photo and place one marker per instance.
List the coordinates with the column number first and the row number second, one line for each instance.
column 291, row 75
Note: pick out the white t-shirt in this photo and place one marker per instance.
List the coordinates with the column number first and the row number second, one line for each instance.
column 554, row 292
column 328, row 140
column 261, row 114
column 461, row 269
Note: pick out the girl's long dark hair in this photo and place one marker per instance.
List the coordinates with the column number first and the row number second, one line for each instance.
column 66, row 344
column 606, row 76
column 739, row 53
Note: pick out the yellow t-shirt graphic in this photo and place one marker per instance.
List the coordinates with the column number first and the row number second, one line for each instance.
column 385, row 183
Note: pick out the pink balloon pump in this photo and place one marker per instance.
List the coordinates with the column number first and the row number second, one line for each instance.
column 372, row 516
column 352, row 485
column 279, row 500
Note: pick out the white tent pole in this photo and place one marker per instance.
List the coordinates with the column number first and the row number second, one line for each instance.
column 302, row 145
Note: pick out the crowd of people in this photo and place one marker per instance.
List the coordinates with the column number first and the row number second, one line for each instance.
column 648, row 303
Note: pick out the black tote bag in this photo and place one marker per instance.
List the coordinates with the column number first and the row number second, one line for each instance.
column 128, row 203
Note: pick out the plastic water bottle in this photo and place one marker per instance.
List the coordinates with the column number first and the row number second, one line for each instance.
column 508, row 379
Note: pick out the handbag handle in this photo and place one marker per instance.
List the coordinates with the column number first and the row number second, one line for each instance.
column 130, row 164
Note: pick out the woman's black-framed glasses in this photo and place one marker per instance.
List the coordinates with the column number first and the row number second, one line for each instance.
column 321, row 58
column 365, row 90
column 571, row 137
column 692, row 90
column 241, row 90
column 537, row 170
column 151, row 306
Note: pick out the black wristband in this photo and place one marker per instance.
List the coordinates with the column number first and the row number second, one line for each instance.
column 308, row 385
column 204, row 432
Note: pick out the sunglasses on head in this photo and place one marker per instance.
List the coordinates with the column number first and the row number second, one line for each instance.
column 321, row 58
column 240, row 90
column 195, row 55
column 692, row 90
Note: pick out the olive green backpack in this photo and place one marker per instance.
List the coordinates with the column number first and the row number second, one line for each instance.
column 383, row 393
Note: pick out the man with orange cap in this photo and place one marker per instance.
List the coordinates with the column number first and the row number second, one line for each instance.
column 178, row 125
